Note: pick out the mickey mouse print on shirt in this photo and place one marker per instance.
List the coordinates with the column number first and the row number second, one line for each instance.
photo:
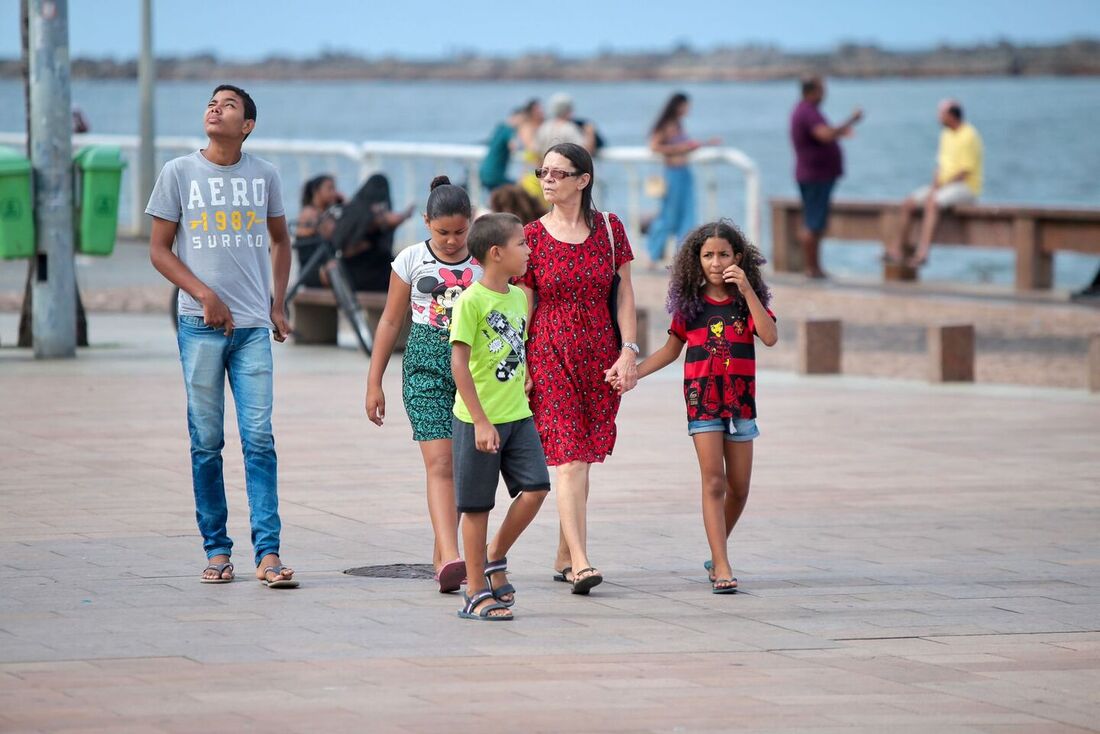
column 435, row 283
column 443, row 290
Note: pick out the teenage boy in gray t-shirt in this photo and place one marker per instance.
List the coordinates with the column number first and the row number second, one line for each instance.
column 223, row 211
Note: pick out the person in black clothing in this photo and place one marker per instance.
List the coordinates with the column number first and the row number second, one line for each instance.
column 363, row 230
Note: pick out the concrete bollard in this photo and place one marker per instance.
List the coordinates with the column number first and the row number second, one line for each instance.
column 819, row 347
column 1094, row 363
column 951, row 353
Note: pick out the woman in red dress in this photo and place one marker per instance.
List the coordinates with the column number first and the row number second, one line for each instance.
column 573, row 355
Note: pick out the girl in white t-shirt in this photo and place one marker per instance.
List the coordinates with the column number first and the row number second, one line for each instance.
column 428, row 277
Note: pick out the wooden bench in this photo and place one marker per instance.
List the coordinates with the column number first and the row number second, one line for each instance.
column 1035, row 233
column 314, row 316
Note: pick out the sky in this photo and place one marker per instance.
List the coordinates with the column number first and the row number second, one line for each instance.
column 254, row 29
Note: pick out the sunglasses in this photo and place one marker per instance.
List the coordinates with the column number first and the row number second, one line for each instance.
column 555, row 174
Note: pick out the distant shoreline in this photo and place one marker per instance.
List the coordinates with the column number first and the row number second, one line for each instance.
column 684, row 64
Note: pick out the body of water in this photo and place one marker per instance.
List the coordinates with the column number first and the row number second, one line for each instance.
column 1040, row 146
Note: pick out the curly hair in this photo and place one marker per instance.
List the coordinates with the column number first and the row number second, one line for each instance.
column 685, row 288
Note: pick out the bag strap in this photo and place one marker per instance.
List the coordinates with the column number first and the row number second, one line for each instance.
column 610, row 236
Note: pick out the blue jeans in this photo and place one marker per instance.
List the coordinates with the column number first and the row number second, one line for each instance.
column 677, row 211
column 207, row 356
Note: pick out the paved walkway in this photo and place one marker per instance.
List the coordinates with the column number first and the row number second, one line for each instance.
column 1023, row 339
column 913, row 559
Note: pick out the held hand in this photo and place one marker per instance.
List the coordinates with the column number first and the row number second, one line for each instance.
column 282, row 328
column 215, row 314
column 528, row 383
column 486, row 437
column 376, row 405
column 714, row 141
column 734, row 274
column 623, row 375
column 857, row 114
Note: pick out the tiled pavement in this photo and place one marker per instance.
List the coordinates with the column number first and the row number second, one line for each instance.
column 914, row 559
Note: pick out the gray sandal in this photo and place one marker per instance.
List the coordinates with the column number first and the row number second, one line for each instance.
column 221, row 569
column 500, row 566
column 467, row 611
column 278, row 583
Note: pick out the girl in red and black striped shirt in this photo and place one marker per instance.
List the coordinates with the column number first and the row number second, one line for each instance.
column 719, row 306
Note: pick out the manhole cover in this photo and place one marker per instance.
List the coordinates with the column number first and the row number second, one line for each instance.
column 395, row 571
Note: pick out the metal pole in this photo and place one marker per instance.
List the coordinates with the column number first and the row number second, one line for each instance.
column 147, row 153
column 54, row 291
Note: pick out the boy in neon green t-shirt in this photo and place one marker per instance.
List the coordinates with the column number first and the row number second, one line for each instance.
column 493, row 431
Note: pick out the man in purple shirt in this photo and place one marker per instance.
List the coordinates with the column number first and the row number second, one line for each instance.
column 818, row 165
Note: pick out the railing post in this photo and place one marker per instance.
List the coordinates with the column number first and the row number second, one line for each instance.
column 752, row 204
column 633, row 203
column 786, row 255
column 1034, row 268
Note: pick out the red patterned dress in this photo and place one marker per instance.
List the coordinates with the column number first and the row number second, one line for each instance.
column 571, row 341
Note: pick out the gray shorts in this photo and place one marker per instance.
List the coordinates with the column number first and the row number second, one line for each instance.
column 520, row 460
column 947, row 196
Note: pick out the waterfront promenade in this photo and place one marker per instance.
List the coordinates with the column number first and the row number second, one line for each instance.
column 914, row 558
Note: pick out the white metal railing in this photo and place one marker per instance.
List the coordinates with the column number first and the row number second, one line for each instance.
column 405, row 164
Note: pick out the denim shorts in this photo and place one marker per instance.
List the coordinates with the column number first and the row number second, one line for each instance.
column 735, row 429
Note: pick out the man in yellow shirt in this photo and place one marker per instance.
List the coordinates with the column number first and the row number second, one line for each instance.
column 957, row 180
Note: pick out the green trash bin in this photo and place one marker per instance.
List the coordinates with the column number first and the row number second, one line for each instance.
column 16, row 211
column 98, row 180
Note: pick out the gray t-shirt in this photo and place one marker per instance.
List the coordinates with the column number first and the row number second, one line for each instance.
column 222, row 235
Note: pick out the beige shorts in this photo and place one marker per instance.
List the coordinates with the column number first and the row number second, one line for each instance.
column 948, row 195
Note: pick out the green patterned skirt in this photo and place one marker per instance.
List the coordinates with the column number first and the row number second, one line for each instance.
column 428, row 385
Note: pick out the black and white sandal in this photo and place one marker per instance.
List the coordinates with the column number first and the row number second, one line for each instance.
column 500, row 566
column 467, row 611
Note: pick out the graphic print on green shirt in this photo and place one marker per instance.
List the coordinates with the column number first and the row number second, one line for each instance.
column 495, row 326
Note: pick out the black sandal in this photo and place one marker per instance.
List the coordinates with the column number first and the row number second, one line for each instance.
column 562, row 575
column 584, row 585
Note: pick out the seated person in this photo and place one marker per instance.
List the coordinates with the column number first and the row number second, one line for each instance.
column 362, row 229
column 364, row 232
column 318, row 195
column 957, row 180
